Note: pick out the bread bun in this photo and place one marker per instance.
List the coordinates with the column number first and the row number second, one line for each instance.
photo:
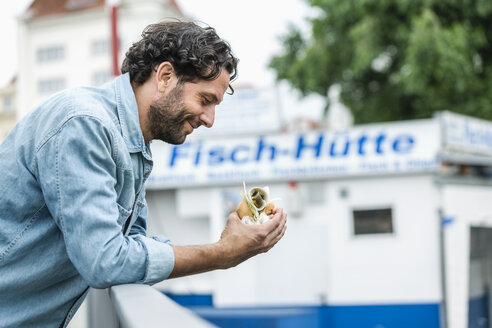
column 269, row 209
column 244, row 210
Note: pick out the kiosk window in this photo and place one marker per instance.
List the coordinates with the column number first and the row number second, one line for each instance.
column 373, row 221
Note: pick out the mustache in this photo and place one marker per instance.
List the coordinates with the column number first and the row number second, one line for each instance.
column 195, row 121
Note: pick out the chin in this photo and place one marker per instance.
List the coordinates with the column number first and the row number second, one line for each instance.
column 173, row 140
column 176, row 142
column 181, row 140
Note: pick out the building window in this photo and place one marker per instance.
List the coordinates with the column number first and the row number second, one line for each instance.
column 99, row 47
column 373, row 221
column 52, row 53
column 103, row 46
column 101, row 77
column 51, row 85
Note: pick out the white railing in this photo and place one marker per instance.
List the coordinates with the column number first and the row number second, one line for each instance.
column 141, row 306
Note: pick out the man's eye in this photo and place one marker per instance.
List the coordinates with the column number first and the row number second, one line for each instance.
column 205, row 101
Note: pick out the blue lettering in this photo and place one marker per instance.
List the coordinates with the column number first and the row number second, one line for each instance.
column 334, row 144
column 338, row 145
column 178, row 151
column 262, row 146
column 403, row 144
column 216, row 156
column 239, row 149
column 379, row 141
column 470, row 133
column 361, row 142
column 478, row 135
column 198, row 153
column 301, row 146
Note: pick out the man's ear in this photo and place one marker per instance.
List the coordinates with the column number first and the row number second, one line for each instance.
column 165, row 76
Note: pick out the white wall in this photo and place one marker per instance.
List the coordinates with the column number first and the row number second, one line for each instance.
column 402, row 267
column 165, row 218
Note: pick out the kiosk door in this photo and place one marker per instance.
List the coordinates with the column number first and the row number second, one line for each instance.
column 480, row 282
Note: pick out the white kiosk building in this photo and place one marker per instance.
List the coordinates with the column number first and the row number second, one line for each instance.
column 389, row 224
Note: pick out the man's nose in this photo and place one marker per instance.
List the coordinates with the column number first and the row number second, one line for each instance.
column 208, row 117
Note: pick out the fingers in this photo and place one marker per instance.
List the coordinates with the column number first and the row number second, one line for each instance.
column 276, row 209
column 261, row 237
column 275, row 220
column 279, row 227
column 243, row 241
column 278, row 220
column 232, row 221
column 234, row 216
column 277, row 239
column 279, row 232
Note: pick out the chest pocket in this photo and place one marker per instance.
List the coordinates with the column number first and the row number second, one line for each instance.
column 124, row 214
column 128, row 218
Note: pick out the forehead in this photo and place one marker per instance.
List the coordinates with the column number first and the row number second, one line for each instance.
column 216, row 87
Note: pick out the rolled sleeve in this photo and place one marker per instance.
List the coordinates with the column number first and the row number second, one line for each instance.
column 160, row 258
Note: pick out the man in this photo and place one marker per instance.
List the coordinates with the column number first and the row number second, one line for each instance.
column 72, row 197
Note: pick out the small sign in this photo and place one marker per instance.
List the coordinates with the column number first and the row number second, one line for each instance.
column 466, row 135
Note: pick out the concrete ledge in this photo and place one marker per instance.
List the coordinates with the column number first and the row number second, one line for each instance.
column 141, row 306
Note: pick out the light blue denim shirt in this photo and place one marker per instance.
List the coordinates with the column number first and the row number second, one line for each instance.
column 72, row 176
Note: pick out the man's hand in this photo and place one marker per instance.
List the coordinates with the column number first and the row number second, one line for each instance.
column 240, row 241
column 237, row 243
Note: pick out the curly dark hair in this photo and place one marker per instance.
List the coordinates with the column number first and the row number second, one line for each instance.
column 195, row 53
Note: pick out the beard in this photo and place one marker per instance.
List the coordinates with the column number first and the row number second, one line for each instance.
column 167, row 117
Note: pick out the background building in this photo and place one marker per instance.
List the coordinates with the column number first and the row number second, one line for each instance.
column 7, row 108
column 66, row 43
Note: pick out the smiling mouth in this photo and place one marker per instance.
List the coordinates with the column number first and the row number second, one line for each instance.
column 194, row 125
column 191, row 125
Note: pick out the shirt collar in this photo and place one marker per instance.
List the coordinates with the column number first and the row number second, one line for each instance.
column 128, row 115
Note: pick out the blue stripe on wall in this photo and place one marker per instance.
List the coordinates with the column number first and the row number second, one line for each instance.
column 191, row 299
column 332, row 316
column 382, row 316
column 261, row 317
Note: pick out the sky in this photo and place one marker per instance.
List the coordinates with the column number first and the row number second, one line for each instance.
column 252, row 27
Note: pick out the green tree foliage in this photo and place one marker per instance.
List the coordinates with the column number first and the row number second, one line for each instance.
column 395, row 59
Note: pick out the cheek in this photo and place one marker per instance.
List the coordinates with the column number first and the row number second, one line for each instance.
column 191, row 107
